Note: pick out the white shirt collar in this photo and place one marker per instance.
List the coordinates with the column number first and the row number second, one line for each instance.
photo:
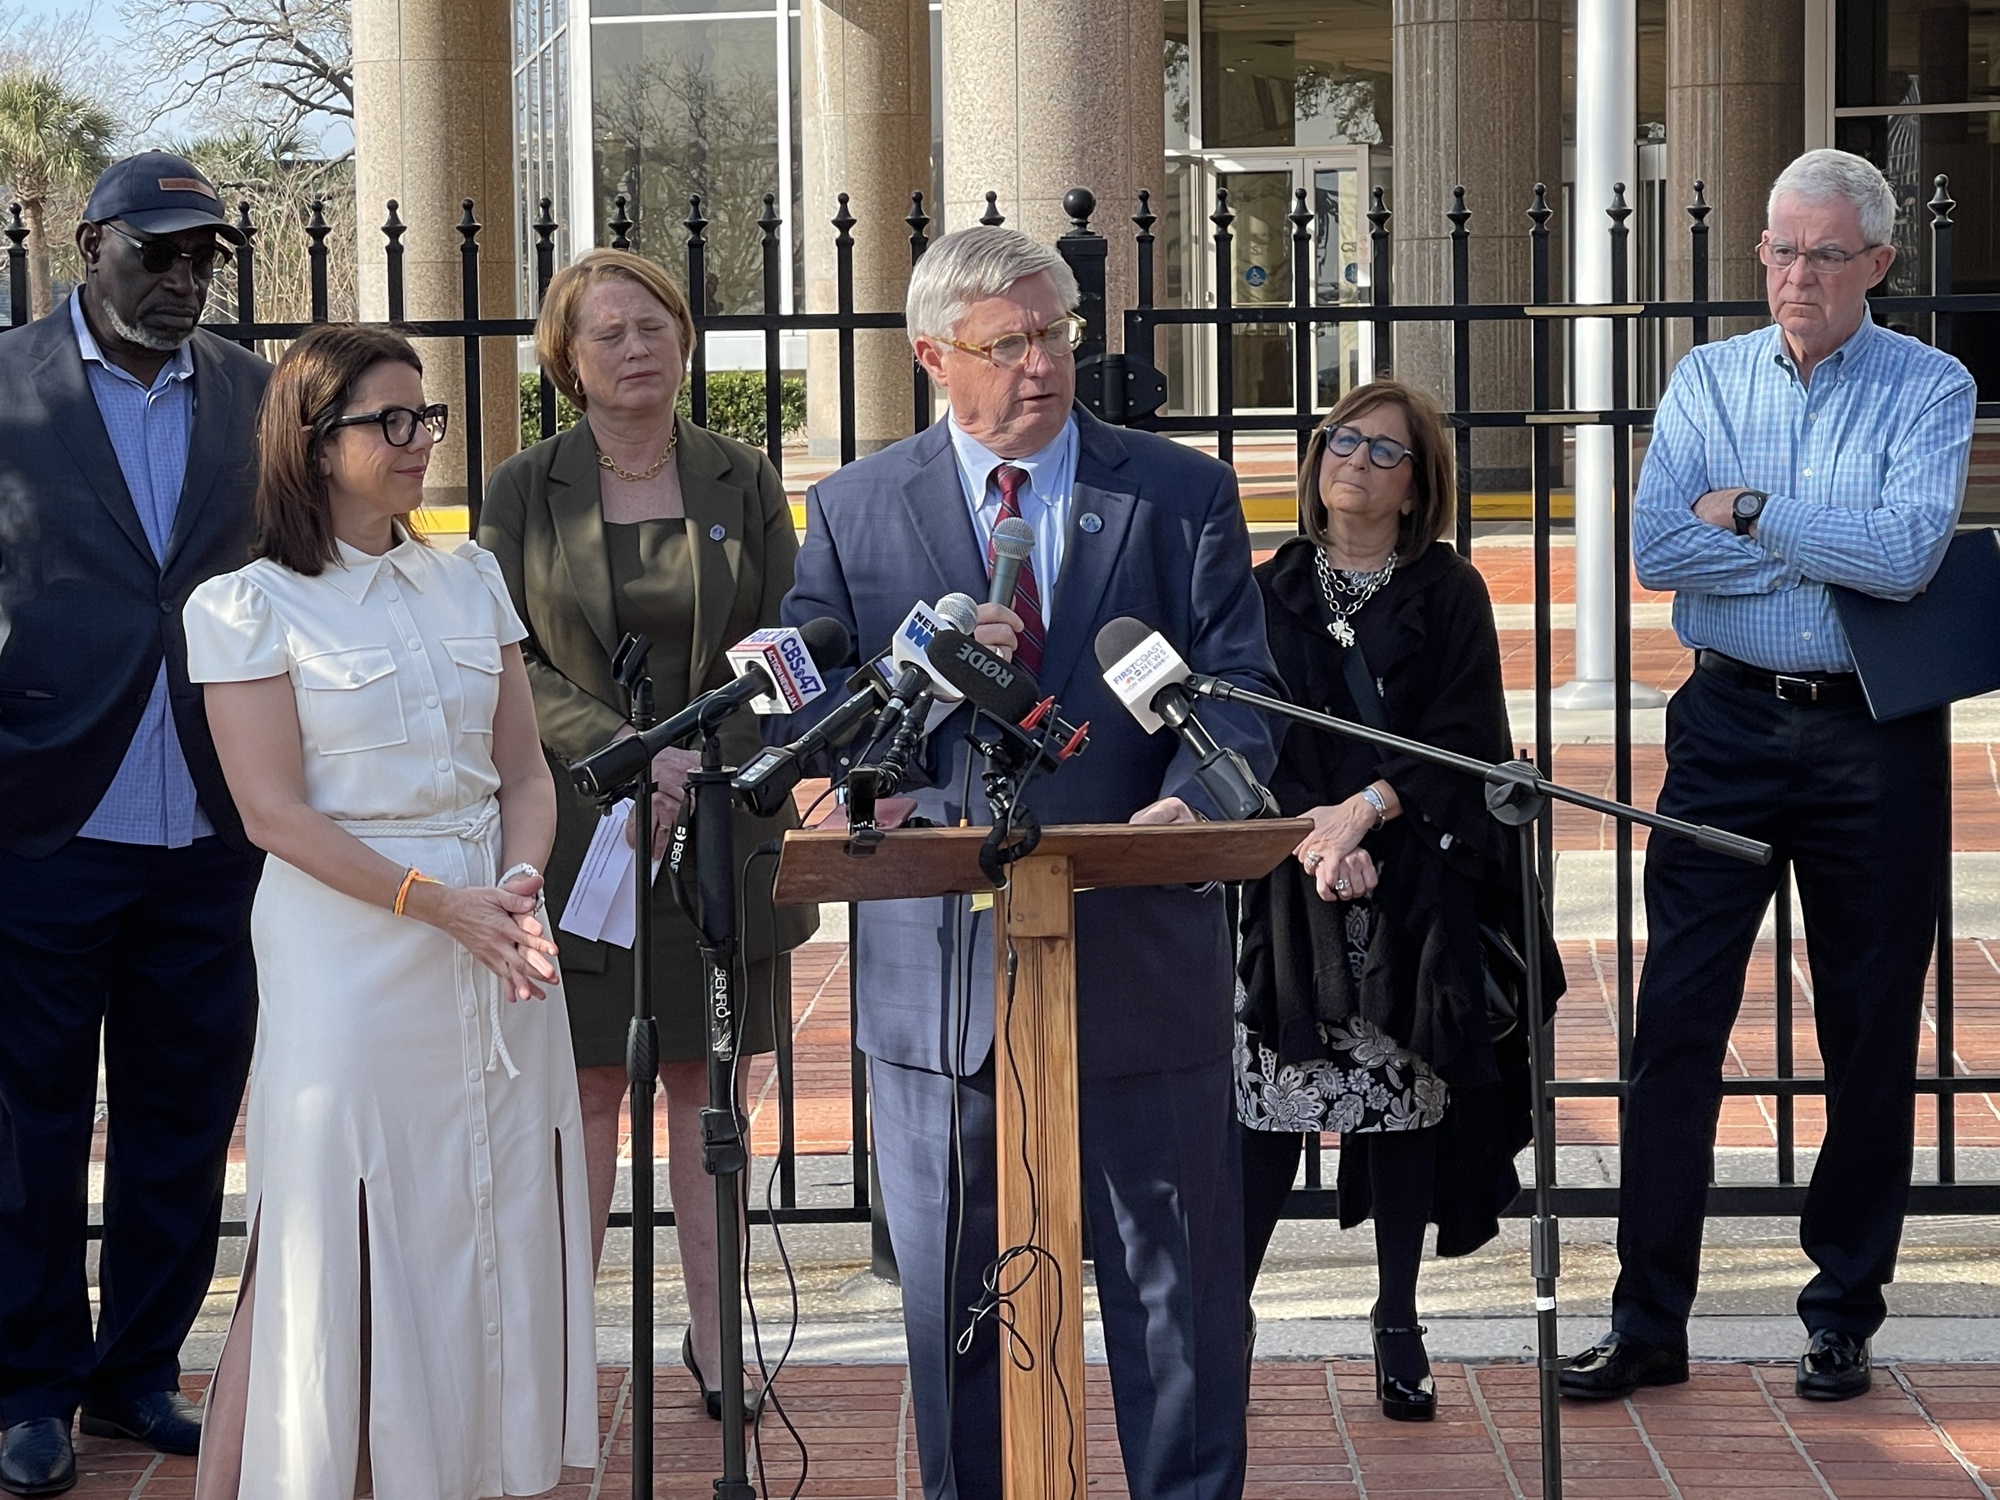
column 356, row 569
column 179, row 367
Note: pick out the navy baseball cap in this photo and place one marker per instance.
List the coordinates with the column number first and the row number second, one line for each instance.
column 157, row 192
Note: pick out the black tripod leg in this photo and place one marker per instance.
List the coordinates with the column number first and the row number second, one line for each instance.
column 642, row 1068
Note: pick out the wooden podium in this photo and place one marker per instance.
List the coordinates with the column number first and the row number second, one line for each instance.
column 1034, row 1059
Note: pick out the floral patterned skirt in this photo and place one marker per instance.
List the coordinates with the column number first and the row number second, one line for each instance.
column 1363, row 1082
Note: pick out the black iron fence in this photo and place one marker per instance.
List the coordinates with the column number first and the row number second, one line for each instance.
column 1126, row 387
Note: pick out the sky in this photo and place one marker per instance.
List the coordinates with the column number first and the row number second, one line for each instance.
column 110, row 31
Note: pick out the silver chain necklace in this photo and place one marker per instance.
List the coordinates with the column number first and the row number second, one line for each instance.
column 1346, row 592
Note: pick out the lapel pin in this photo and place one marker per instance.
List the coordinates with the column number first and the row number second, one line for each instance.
column 717, row 532
column 1091, row 522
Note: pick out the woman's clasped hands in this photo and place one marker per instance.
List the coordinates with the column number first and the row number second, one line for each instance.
column 499, row 925
column 1332, row 855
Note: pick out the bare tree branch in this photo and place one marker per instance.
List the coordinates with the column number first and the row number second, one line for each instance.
column 279, row 66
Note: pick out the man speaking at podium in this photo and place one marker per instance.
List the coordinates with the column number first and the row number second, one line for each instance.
column 1126, row 523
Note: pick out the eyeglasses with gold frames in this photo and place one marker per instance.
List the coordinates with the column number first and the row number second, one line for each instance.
column 1007, row 352
column 1822, row 260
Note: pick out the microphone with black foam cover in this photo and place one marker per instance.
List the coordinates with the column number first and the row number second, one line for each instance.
column 1013, row 545
column 776, row 670
column 1147, row 675
column 1005, row 691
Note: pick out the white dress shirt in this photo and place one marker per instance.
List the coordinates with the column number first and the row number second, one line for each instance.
column 1045, row 498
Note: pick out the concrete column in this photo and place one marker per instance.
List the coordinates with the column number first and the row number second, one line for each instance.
column 1045, row 95
column 1735, row 118
column 866, row 102
column 434, row 125
column 1478, row 103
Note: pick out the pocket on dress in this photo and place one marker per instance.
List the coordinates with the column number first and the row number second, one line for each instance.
column 478, row 661
column 351, row 700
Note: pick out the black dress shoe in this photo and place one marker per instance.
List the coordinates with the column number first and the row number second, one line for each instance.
column 711, row 1400
column 165, row 1421
column 36, row 1457
column 1404, row 1400
column 1617, row 1365
column 1835, row 1367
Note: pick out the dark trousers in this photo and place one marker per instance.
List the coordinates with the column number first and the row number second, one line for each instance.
column 150, row 948
column 1859, row 808
column 1162, row 1205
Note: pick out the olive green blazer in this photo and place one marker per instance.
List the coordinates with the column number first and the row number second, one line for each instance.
column 544, row 520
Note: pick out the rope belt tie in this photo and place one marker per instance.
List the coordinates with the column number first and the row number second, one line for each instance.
column 472, row 827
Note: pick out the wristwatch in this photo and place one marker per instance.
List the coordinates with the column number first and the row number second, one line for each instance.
column 1747, row 506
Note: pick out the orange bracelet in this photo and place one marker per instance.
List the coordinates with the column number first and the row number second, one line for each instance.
column 412, row 876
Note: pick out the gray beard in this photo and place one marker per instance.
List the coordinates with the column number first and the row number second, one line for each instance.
column 159, row 343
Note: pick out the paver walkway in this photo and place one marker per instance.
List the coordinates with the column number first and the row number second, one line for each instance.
column 1735, row 1430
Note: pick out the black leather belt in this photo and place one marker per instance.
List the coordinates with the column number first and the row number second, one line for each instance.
column 1806, row 689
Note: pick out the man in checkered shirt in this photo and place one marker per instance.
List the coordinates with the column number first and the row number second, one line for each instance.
column 1823, row 450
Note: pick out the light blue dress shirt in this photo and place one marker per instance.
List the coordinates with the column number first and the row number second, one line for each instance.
column 152, row 798
column 1045, row 498
column 1865, row 469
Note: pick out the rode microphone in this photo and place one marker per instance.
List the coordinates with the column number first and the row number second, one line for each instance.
column 774, row 667
column 1147, row 675
column 1013, row 545
column 1007, row 693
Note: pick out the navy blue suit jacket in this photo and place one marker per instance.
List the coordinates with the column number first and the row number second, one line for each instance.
column 88, row 611
column 1154, row 964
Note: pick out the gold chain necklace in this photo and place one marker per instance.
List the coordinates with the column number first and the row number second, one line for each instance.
column 604, row 461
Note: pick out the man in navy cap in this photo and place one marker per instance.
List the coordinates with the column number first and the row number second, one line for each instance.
column 127, row 468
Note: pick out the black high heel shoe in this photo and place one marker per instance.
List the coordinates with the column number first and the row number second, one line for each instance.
column 753, row 1396
column 1403, row 1400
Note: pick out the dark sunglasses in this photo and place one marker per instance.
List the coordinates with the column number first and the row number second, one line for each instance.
column 158, row 254
column 1383, row 453
column 399, row 423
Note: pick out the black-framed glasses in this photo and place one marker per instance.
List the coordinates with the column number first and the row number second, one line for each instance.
column 1823, row 260
column 1007, row 352
column 157, row 254
column 399, row 423
column 1383, row 453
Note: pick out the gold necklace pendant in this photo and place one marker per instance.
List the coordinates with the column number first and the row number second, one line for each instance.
column 640, row 476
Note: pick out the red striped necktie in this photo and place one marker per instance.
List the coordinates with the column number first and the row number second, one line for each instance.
column 1027, row 592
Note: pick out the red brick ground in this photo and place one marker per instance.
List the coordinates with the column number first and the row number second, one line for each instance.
column 1735, row 1430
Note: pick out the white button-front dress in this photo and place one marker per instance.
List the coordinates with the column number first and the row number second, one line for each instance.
column 404, row 1116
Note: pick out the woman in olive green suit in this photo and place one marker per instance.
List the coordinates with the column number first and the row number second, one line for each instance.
column 634, row 520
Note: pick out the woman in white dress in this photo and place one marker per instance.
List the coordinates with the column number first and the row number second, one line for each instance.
column 415, row 1313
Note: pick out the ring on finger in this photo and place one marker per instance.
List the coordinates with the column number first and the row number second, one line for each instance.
column 1340, row 884
column 1313, row 860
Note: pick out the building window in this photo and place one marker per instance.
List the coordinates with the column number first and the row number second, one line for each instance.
column 1277, row 73
column 699, row 97
column 1917, row 92
column 541, row 128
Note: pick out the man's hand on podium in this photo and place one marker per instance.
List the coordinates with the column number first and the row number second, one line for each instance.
column 1167, row 810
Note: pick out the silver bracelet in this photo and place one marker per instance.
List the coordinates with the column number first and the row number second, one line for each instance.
column 1374, row 799
column 523, row 868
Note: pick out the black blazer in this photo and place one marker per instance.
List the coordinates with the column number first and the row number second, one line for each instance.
column 86, row 612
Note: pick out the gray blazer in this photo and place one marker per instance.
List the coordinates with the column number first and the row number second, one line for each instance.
column 544, row 520
column 86, row 610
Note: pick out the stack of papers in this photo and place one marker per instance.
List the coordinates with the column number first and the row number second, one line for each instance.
column 600, row 903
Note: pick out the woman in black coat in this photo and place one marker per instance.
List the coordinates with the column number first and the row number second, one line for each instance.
column 1364, row 1006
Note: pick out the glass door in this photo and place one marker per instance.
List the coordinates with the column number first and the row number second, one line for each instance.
column 1262, row 192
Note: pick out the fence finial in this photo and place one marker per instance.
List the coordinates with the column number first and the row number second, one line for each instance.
column 1539, row 210
column 1941, row 203
column 1222, row 218
column 1301, row 215
column 620, row 223
column 919, row 221
column 768, row 221
column 1145, row 218
column 1079, row 203
column 1619, row 211
column 696, row 224
column 843, row 222
column 1458, row 213
column 545, row 220
column 1378, row 210
column 992, row 218
column 1700, row 208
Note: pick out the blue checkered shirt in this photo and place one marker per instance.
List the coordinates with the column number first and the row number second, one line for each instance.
column 152, row 799
column 1865, row 469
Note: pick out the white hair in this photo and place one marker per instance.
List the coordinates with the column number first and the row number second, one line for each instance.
column 970, row 265
column 1826, row 174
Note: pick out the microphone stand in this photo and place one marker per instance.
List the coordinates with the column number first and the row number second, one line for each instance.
column 1517, row 795
column 724, row 1154
column 642, row 1061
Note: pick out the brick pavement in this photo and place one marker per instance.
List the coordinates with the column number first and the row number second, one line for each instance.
column 1926, row 1432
